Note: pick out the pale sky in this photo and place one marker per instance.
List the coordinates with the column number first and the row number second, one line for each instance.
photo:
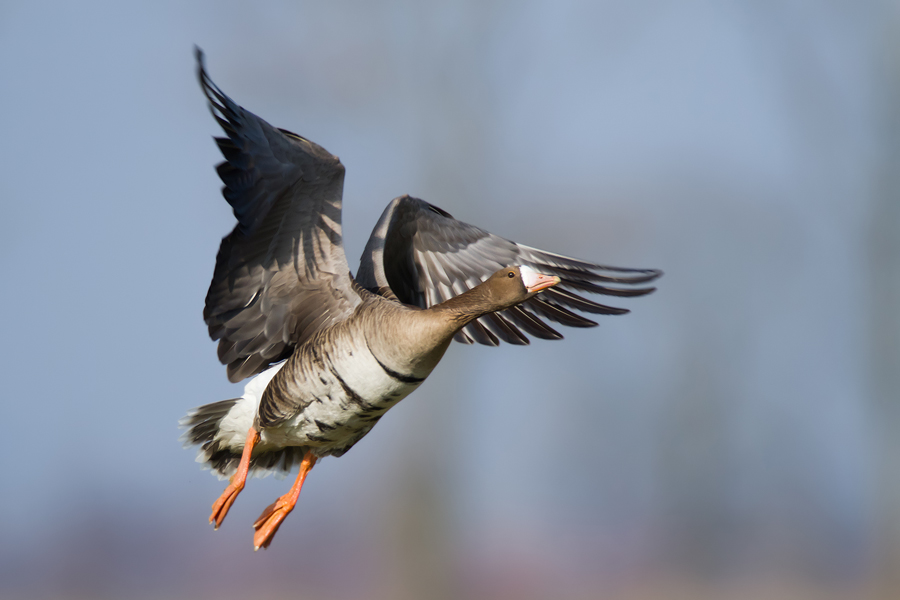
column 730, row 145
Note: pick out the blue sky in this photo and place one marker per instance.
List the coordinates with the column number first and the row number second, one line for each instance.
column 734, row 146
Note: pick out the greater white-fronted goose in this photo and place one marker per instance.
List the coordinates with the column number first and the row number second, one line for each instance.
column 330, row 354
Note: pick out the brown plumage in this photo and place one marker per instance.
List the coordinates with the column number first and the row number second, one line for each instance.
column 331, row 353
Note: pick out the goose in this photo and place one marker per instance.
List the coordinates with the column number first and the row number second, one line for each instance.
column 328, row 353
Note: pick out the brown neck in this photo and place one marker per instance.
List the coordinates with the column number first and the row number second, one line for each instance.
column 416, row 339
column 466, row 307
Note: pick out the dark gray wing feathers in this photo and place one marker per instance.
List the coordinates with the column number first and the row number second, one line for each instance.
column 424, row 256
column 281, row 274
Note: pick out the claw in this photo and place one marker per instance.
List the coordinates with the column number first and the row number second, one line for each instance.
column 221, row 506
column 270, row 519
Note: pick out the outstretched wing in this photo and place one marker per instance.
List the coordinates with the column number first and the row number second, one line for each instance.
column 421, row 255
column 281, row 274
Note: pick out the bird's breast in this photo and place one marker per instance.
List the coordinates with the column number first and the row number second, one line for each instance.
column 335, row 392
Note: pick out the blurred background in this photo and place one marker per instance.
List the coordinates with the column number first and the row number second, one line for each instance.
column 734, row 437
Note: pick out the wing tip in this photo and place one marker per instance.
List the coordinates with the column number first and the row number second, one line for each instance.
column 653, row 274
column 200, row 57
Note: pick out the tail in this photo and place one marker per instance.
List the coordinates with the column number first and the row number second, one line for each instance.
column 220, row 449
column 220, row 430
column 204, row 428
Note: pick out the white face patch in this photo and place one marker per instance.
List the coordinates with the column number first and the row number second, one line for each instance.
column 529, row 276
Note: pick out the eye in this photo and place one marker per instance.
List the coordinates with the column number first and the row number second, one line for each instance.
column 511, row 274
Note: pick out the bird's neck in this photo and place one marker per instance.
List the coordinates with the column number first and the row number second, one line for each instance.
column 461, row 310
column 417, row 338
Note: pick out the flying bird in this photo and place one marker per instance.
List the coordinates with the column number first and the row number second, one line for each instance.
column 329, row 353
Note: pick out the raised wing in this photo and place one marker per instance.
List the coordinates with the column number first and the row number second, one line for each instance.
column 281, row 274
column 421, row 255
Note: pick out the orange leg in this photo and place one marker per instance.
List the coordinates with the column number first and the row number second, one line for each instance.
column 236, row 483
column 270, row 519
